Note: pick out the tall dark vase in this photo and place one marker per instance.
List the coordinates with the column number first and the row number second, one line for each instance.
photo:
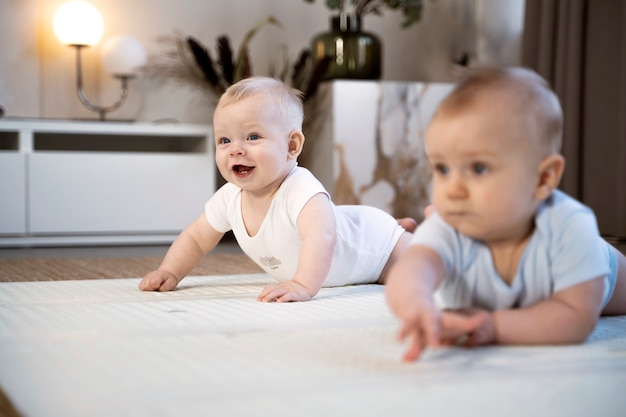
column 354, row 54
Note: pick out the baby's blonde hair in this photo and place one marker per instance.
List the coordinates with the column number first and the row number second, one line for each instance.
column 527, row 93
column 288, row 99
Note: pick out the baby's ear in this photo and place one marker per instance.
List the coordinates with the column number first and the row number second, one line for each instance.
column 550, row 172
column 296, row 142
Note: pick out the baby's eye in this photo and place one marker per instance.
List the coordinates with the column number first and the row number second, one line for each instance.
column 254, row 136
column 441, row 169
column 480, row 168
column 223, row 141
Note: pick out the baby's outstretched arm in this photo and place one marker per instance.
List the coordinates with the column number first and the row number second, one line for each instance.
column 568, row 316
column 189, row 247
column 410, row 289
column 317, row 229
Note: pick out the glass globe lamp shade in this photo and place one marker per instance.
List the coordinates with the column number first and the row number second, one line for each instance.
column 78, row 23
column 123, row 55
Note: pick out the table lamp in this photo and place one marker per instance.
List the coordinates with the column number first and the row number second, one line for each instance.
column 78, row 24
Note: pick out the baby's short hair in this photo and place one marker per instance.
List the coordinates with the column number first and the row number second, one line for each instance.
column 528, row 93
column 288, row 99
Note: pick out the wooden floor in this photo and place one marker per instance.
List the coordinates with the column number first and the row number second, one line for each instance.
column 229, row 246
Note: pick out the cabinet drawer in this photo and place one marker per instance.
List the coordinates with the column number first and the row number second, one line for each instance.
column 113, row 193
column 12, row 193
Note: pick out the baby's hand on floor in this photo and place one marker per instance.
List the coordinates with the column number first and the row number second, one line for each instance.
column 158, row 280
column 421, row 328
column 284, row 292
column 468, row 326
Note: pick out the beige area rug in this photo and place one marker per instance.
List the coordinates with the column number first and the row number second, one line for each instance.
column 60, row 269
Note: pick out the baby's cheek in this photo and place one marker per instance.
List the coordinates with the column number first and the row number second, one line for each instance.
column 436, row 196
column 491, row 205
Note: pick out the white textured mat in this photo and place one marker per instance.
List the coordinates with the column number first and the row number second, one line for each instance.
column 104, row 348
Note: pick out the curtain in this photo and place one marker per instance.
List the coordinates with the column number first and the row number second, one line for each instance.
column 579, row 46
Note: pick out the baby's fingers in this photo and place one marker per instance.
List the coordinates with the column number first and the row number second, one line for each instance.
column 422, row 332
column 290, row 297
column 416, row 343
column 431, row 329
column 159, row 280
column 151, row 283
column 168, row 284
column 271, row 293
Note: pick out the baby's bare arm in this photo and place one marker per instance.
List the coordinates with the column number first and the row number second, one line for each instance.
column 317, row 229
column 190, row 246
column 569, row 316
column 410, row 288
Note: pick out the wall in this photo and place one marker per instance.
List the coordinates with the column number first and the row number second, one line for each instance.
column 37, row 74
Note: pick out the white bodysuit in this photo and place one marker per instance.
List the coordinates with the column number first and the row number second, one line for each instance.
column 366, row 235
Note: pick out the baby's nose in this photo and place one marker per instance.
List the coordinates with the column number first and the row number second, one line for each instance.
column 237, row 148
column 456, row 187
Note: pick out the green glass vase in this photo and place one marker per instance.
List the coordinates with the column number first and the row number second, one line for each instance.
column 353, row 54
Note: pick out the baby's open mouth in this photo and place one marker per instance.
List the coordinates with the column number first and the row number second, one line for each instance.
column 242, row 169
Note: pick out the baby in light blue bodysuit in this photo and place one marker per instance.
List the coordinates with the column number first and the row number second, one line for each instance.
column 515, row 260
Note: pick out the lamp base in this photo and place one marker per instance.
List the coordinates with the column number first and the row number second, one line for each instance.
column 101, row 110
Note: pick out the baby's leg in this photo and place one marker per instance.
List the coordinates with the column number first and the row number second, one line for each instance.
column 617, row 303
column 401, row 246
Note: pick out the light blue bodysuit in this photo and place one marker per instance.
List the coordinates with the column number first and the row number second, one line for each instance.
column 565, row 249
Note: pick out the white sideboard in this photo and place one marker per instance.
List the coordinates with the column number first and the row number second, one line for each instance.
column 79, row 183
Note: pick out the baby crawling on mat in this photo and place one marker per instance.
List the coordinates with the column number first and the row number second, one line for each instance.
column 513, row 259
column 280, row 214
